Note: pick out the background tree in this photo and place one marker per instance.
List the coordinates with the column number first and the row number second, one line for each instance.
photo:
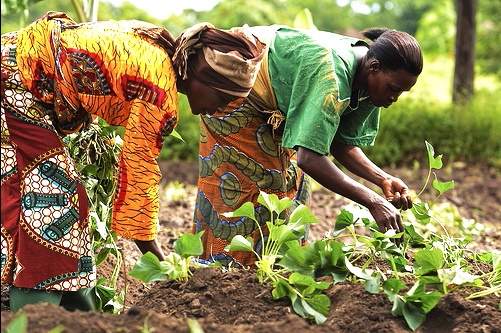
column 462, row 87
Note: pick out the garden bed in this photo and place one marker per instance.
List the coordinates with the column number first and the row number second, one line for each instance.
column 234, row 301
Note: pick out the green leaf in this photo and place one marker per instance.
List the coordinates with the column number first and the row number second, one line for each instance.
column 283, row 204
column 194, row 326
column 420, row 210
column 100, row 226
column 317, row 307
column 176, row 267
column 412, row 235
column 371, row 283
column 116, row 304
column 273, row 203
column 113, row 131
column 398, row 307
column 300, row 217
column 442, row 187
column 281, row 289
column 304, row 20
column 104, row 294
column 247, row 210
column 420, row 297
column 299, row 259
column 392, row 287
column 344, row 220
column 58, row 329
column 240, row 243
column 282, row 233
column 496, row 268
column 148, row 269
column 189, row 245
column 315, row 259
column 102, row 255
column 304, row 281
column 365, row 274
column 428, row 261
column 413, row 315
column 176, row 135
column 18, row 325
column 434, row 162
column 90, row 170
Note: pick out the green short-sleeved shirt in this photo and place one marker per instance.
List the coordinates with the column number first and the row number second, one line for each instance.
column 311, row 73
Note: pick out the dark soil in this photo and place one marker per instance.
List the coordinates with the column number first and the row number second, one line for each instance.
column 234, row 301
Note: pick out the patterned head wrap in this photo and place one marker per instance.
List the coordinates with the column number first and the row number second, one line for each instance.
column 227, row 60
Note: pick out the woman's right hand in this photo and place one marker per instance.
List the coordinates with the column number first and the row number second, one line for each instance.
column 387, row 217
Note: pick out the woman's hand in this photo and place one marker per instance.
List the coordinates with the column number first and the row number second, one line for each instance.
column 396, row 192
column 387, row 218
column 326, row 173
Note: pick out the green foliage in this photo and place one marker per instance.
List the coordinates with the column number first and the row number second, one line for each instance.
column 95, row 152
column 18, row 325
column 441, row 263
column 414, row 304
column 438, row 30
column 493, row 278
column 176, row 266
column 283, row 236
column 488, row 41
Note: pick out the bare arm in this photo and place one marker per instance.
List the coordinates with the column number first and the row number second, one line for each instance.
column 150, row 246
column 354, row 159
column 325, row 172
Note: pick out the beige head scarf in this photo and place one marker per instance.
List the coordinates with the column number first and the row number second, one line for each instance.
column 227, row 60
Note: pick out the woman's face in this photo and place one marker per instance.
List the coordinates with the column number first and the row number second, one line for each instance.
column 386, row 86
column 206, row 100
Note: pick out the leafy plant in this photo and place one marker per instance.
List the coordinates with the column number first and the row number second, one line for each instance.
column 414, row 304
column 439, row 262
column 95, row 152
column 176, row 266
column 493, row 278
column 351, row 252
column 283, row 235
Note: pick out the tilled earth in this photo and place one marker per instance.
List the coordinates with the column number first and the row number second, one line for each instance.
column 235, row 301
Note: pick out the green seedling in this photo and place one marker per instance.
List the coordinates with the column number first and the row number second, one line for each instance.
column 176, row 266
column 284, row 236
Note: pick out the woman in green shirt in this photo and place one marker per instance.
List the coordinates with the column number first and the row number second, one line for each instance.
column 316, row 93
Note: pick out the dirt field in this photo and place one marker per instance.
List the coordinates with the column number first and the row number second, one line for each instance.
column 234, row 301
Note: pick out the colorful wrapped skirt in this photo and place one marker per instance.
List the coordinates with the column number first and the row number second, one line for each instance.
column 46, row 241
column 239, row 157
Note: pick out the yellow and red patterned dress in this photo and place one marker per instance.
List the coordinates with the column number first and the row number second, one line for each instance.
column 56, row 76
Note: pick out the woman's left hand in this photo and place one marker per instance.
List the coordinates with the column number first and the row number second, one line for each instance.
column 397, row 192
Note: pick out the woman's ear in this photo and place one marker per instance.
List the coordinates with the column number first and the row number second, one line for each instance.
column 374, row 65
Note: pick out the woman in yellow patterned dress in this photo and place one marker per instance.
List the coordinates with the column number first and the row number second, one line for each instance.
column 57, row 76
